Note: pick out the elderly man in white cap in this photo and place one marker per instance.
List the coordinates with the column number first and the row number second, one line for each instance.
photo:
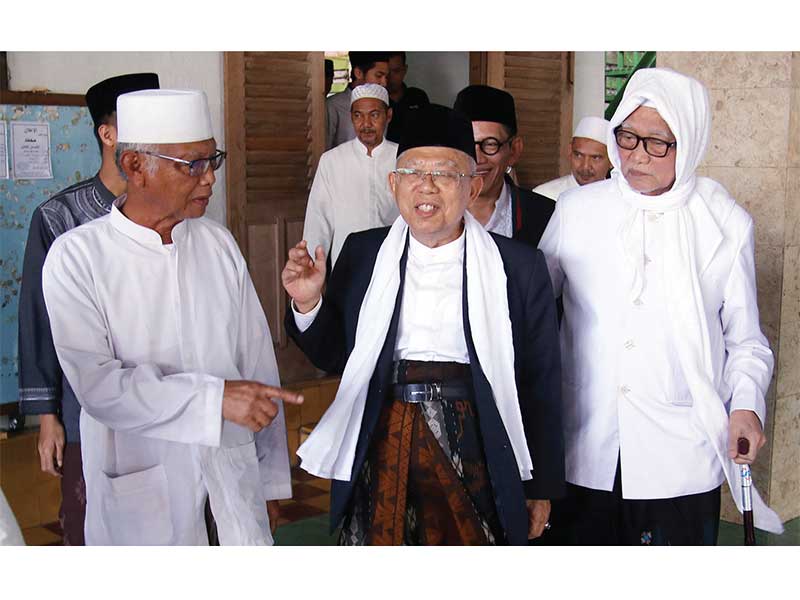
column 664, row 363
column 351, row 187
column 588, row 158
column 160, row 333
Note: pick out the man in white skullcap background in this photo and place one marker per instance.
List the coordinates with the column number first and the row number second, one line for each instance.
column 665, row 366
column 351, row 187
column 367, row 67
column 588, row 158
column 160, row 333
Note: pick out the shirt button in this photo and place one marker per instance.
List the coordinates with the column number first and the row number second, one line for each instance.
column 629, row 345
column 624, row 389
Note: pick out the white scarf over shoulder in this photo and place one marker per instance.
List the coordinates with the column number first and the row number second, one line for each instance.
column 683, row 103
column 329, row 451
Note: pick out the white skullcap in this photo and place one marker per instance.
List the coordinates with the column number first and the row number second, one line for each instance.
column 593, row 128
column 163, row 117
column 370, row 90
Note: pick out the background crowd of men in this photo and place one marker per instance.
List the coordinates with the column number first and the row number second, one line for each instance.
column 472, row 409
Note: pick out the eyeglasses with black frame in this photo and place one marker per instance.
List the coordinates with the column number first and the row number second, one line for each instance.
column 198, row 166
column 491, row 145
column 441, row 179
column 627, row 140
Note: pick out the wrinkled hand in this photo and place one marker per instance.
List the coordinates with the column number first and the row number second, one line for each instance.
column 274, row 513
column 303, row 277
column 51, row 444
column 538, row 514
column 745, row 424
column 250, row 404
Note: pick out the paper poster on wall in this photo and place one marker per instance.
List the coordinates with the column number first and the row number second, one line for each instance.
column 3, row 151
column 30, row 150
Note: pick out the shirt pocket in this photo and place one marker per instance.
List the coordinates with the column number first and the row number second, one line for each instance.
column 135, row 508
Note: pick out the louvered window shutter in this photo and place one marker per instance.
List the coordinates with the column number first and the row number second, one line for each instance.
column 542, row 86
column 275, row 129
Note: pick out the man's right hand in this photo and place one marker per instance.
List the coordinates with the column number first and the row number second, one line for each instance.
column 303, row 277
column 249, row 403
column 51, row 444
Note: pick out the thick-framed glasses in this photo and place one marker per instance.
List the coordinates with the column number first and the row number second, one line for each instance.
column 627, row 140
column 198, row 166
column 441, row 179
column 491, row 145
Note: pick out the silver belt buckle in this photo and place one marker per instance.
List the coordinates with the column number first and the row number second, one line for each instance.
column 430, row 392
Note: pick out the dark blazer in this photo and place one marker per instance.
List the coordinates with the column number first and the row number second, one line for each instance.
column 330, row 339
column 531, row 213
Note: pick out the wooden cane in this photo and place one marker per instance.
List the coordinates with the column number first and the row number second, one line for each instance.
column 743, row 447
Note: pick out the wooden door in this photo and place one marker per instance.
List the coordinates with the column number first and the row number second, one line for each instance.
column 542, row 86
column 275, row 134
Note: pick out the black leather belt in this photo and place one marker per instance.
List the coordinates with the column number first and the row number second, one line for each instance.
column 431, row 392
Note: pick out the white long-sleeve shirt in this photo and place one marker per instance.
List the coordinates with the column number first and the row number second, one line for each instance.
column 431, row 324
column 624, row 391
column 350, row 193
column 147, row 334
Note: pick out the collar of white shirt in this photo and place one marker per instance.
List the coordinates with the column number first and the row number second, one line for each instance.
column 361, row 149
column 497, row 222
column 138, row 233
column 450, row 252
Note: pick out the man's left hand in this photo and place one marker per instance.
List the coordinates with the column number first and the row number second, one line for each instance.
column 745, row 424
column 538, row 514
column 274, row 513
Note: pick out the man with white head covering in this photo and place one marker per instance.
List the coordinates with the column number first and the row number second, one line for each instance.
column 367, row 67
column 588, row 158
column 446, row 428
column 351, row 187
column 160, row 333
column 665, row 365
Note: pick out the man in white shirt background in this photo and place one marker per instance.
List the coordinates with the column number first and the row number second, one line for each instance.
column 367, row 67
column 588, row 158
column 665, row 366
column 161, row 335
column 351, row 186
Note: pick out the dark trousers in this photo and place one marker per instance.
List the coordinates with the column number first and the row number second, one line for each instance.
column 599, row 518
column 72, row 514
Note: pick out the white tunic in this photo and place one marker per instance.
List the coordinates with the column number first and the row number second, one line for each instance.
column 554, row 188
column 147, row 334
column 624, row 391
column 350, row 193
column 340, row 126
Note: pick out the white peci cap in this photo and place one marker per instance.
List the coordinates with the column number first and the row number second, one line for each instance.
column 593, row 128
column 370, row 90
column 163, row 117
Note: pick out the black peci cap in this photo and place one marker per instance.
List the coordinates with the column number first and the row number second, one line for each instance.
column 101, row 98
column 485, row 103
column 437, row 125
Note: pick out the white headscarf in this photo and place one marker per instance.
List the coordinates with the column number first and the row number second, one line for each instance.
column 683, row 103
column 330, row 449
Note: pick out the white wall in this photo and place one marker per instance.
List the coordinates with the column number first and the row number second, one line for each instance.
column 75, row 72
column 441, row 74
column 589, row 91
